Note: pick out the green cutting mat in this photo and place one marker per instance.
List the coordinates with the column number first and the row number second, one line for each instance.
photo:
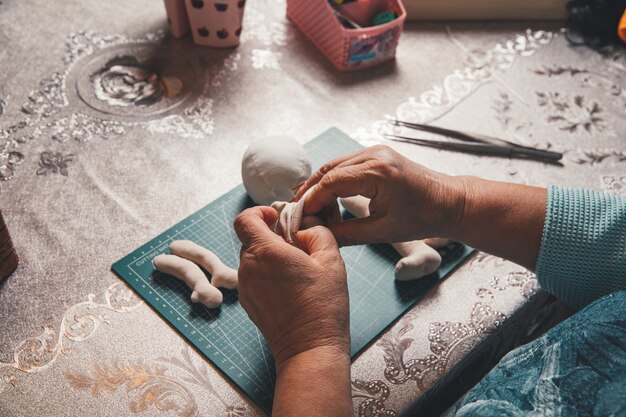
column 225, row 335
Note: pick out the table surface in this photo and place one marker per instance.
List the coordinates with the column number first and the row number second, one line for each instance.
column 77, row 170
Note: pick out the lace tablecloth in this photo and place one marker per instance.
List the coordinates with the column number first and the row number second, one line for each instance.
column 91, row 170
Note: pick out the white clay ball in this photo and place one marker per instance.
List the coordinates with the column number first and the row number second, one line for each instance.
column 272, row 167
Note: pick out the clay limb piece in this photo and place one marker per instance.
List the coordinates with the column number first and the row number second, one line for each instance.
column 358, row 205
column 221, row 275
column 185, row 270
column 289, row 219
column 273, row 167
column 418, row 258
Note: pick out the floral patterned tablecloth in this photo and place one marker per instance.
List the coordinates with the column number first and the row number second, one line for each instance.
column 111, row 131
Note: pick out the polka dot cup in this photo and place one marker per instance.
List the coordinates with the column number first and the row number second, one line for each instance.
column 211, row 22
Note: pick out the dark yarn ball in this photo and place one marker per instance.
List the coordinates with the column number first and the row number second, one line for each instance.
column 594, row 22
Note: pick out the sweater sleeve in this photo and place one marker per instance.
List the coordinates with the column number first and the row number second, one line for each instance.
column 583, row 247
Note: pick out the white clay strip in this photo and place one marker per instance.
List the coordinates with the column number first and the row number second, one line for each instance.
column 289, row 219
column 202, row 291
column 418, row 258
column 221, row 275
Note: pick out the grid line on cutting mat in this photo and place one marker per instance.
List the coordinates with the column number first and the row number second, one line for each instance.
column 226, row 336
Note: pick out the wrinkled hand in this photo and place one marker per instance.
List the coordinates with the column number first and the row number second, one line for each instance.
column 297, row 296
column 408, row 201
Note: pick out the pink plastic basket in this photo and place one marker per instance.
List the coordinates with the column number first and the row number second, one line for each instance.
column 349, row 49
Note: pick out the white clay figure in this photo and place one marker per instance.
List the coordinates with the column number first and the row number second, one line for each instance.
column 192, row 275
column 273, row 167
column 418, row 258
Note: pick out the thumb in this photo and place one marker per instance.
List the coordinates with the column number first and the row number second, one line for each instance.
column 316, row 241
column 358, row 231
column 253, row 225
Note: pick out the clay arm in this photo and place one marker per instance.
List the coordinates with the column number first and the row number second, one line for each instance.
column 418, row 258
column 221, row 275
column 192, row 275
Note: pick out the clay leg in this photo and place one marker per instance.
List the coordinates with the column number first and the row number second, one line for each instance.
column 418, row 258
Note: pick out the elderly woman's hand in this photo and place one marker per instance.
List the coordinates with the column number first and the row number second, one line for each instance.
column 298, row 297
column 408, row 201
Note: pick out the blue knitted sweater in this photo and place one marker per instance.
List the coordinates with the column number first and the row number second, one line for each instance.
column 583, row 247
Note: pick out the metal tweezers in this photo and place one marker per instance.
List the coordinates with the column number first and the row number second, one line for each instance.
column 482, row 144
